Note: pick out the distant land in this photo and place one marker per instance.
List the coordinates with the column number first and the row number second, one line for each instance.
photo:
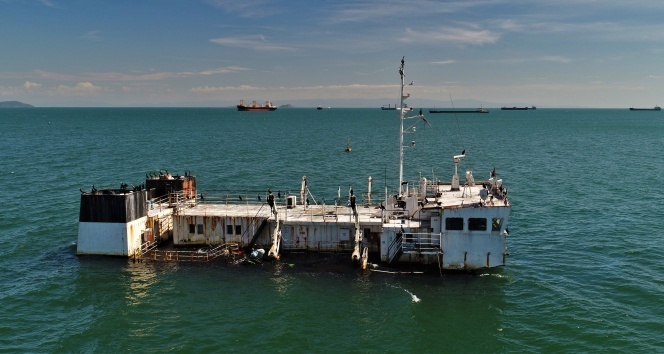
column 14, row 104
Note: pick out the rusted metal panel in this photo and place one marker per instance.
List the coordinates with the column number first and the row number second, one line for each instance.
column 112, row 205
column 164, row 185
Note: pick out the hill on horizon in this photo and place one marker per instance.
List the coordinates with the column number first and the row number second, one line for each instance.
column 14, row 104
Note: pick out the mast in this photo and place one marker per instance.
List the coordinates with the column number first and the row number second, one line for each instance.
column 401, row 113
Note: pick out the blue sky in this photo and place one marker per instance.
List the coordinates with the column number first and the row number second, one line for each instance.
column 212, row 53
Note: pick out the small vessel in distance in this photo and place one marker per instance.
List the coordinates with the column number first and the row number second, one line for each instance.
column 479, row 110
column 517, row 108
column 396, row 108
column 268, row 106
column 319, row 107
column 656, row 108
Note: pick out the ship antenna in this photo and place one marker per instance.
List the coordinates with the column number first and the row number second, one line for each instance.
column 401, row 117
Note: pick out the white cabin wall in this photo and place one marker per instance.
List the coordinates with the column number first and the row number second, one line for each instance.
column 474, row 249
column 113, row 239
column 387, row 236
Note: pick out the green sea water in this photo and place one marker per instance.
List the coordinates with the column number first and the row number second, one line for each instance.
column 585, row 271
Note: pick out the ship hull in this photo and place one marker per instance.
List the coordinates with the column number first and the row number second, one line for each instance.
column 255, row 109
column 646, row 109
column 453, row 111
column 517, row 108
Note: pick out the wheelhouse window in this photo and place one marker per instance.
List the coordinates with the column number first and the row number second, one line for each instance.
column 453, row 223
column 238, row 229
column 200, row 228
column 192, row 228
column 496, row 224
column 229, row 229
column 477, row 224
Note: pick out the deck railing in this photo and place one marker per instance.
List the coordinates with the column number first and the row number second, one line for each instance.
column 200, row 255
column 422, row 242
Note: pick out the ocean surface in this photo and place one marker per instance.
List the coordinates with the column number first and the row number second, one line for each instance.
column 585, row 271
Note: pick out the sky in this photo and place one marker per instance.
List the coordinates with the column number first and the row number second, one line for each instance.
column 213, row 53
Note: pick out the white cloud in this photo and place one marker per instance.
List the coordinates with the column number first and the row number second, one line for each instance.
column 31, row 85
column 8, row 91
column 443, row 62
column 211, row 89
column 556, row 59
column 255, row 42
column 447, row 34
column 379, row 10
column 226, row 70
column 47, row 3
column 81, row 89
column 246, row 8
column 92, row 36
column 116, row 76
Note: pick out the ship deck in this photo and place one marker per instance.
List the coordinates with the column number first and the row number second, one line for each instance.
column 368, row 214
column 298, row 214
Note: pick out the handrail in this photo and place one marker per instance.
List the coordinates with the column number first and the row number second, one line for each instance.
column 148, row 246
column 170, row 200
column 423, row 242
column 253, row 221
column 191, row 256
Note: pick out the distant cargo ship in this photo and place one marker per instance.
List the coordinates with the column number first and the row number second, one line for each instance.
column 479, row 110
column 517, row 108
column 395, row 108
column 656, row 108
column 268, row 106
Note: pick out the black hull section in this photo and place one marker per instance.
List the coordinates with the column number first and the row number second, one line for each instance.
column 255, row 109
column 437, row 111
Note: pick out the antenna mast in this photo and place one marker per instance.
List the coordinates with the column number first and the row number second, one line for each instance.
column 401, row 118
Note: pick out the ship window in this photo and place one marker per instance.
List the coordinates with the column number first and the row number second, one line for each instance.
column 496, row 223
column 453, row 223
column 192, row 228
column 200, row 228
column 229, row 229
column 238, row 229
column 477, row 224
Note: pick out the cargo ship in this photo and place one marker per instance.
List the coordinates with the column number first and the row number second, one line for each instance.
column 478, row 110
column 518, row 108
column 267, row 106
column 656, row 108
column 445, row 225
